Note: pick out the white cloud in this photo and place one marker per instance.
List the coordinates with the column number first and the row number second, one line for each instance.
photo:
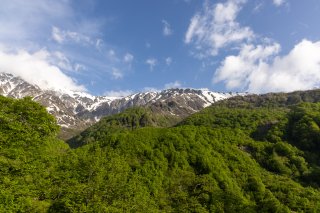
column 57, row 36
column 116, row 73
column 152, row 62
column 150, row 89
column 216, row 27
column 62, row 36
column 113, row 57
column 168, row 61
column 167, row 31
column 25, row 21
column 99, row 44
column 258, row 7
column 60, row 60
column 171, row 85
column 128, row 58
column 36, row 25
column 279, row 2
column 79, row 67
column 260, row 68
column 118, row 93
column 111, row 53
column 36, row 68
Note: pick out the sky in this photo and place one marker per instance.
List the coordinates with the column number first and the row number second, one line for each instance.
column 119, row 47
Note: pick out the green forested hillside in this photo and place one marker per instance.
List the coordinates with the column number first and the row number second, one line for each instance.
column 130, row 119
column 252, row 154
column 29, row 154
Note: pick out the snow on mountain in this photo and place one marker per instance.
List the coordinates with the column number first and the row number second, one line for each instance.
column 79, row 109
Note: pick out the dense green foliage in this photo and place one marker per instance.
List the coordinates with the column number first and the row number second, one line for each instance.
column 247, row 154
column 29, row 153
column 130, row 119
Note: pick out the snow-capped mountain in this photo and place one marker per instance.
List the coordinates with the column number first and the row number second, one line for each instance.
column 79, row 109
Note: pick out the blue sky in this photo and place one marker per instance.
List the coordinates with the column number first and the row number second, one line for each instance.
column 117, row 47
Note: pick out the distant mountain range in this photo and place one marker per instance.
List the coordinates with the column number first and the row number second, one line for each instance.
column 78, row 110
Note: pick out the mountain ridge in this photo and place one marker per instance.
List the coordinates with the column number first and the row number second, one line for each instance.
column 78, row 110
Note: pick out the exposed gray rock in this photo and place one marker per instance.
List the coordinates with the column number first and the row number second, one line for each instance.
column 77, row 110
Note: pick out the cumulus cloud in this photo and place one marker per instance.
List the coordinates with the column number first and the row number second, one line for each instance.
column 71, row 39
column 118, row 93
column 152, row 62
column 258, row 65
column 167, row 31
column 260, row 68
column 279, row 2
column 216, row 27
column 171, row 85
column 36, row 68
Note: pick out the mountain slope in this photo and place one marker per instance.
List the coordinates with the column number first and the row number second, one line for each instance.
column 78, row 110
column 259, row 154
column 131, row 118
column 226, row 158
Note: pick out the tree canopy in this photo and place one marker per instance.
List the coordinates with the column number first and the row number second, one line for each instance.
column 231, row 157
